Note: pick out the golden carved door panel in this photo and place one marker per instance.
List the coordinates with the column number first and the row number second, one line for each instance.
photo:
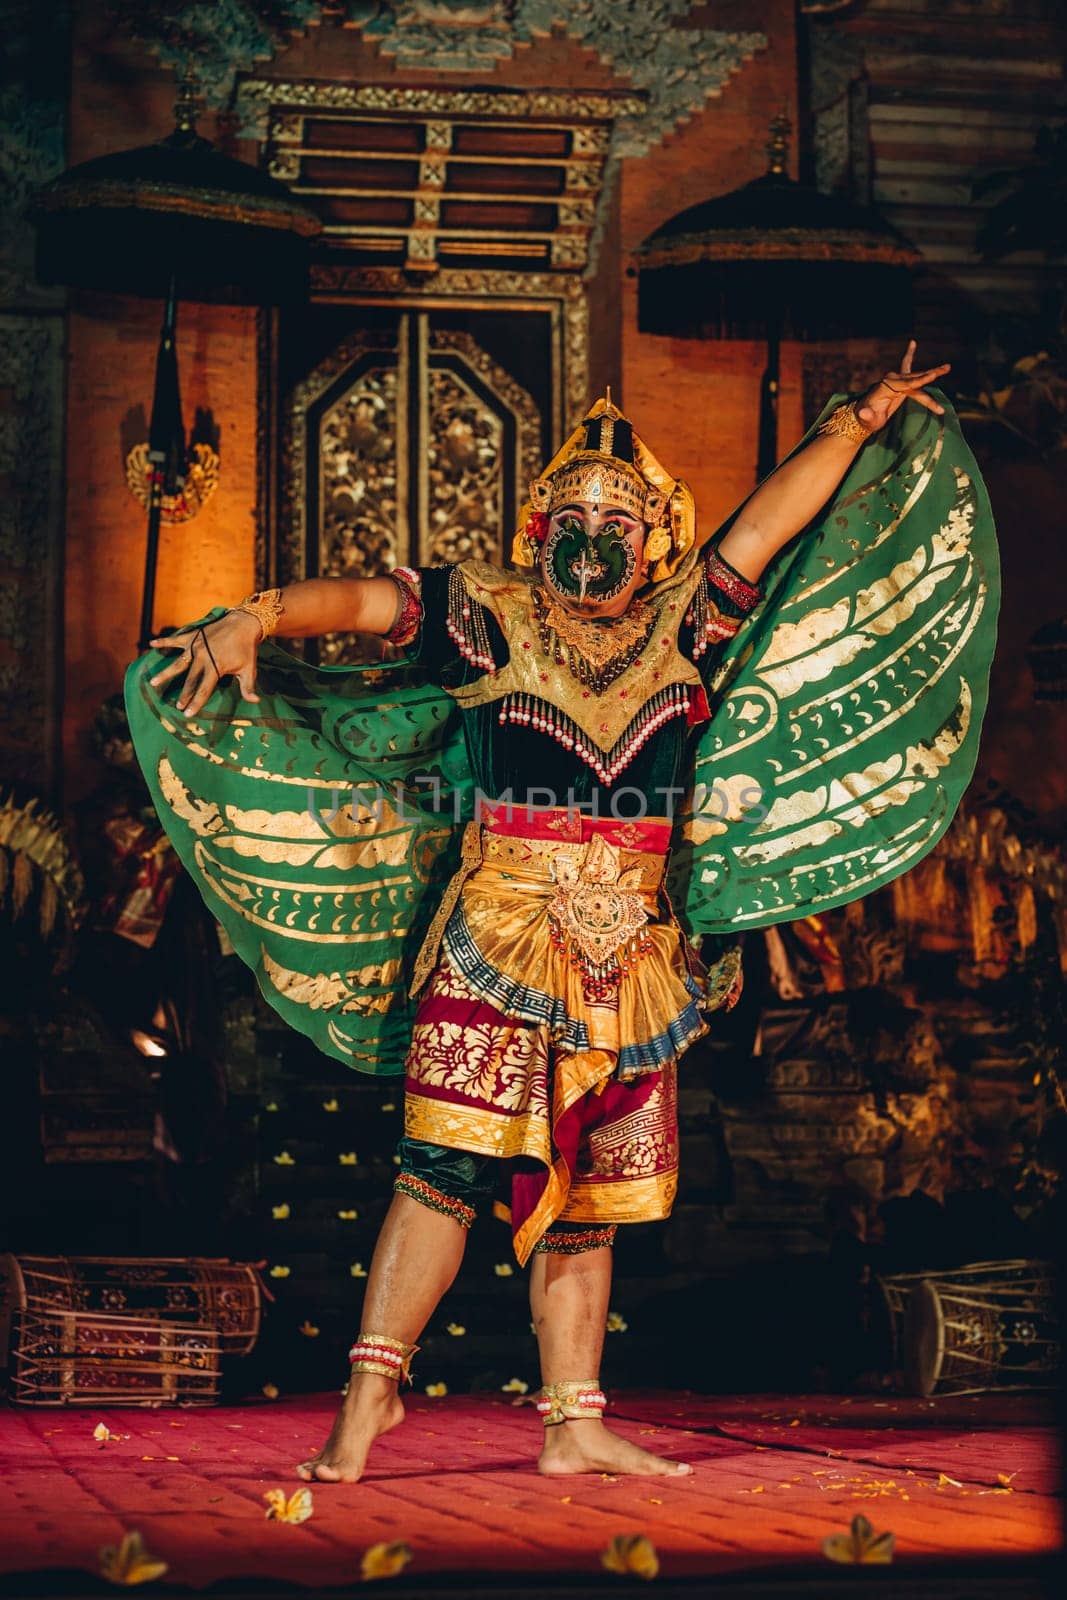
column 407, row 444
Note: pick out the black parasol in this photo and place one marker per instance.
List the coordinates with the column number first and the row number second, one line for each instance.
column 775, row 259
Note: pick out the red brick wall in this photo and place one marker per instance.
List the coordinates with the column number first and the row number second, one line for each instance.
column 119, row 99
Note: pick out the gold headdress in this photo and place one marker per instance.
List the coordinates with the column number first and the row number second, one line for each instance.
column 604, row 459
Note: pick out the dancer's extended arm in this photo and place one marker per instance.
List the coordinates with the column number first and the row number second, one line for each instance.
column 229, row 645
column 788, row 500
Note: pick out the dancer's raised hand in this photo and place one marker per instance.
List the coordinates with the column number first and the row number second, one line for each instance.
column 224, row 648
column 889, row 393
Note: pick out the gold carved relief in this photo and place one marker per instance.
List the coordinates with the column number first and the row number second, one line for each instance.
column 367, row 489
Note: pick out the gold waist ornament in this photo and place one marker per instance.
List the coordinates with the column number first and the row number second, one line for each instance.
column 601, row 897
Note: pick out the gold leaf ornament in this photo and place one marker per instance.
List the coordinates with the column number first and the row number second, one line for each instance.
column 385, row 1560
column 201, row 481
column 631, row 1554
column 295, row 1508
column 129, row 1562
column 860, row 1545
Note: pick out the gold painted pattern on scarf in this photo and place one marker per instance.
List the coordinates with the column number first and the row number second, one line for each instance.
column 343, row 992
column 357, row 836
column 334, row 916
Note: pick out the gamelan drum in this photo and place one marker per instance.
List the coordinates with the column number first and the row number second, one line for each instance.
column 989, row 1326
column 222, row 1295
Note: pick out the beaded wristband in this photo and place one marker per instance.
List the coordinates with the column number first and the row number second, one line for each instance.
column 409, row 613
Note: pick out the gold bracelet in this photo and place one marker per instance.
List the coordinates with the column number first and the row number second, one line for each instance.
column 266, row 607
column 844, row 423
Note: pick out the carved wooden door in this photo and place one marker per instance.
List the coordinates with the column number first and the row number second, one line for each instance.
column 409, row 442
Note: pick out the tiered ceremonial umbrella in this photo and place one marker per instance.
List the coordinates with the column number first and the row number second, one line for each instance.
column 173, row 220
column 775, row 259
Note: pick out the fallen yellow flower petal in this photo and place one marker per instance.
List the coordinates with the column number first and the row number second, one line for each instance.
column 279, row 1272
column 515, row 1386
column 348, row 1216
column 308, row 1329
column 103, row 1434
column 297, row 1508
column 357, row 1270
column 436, row 1389
column 348, row 1158
column 130, row 1562
column 616, row 1322
column 284, row 1159
column 330, row 1105
column 271, row 1391
column 389, row 1106
column 945, row 1482
column 503, row 1269
column 280, row 1213
column 456, row 1329
column 860, row 1545
column 385, row 1560
column 631, row 1552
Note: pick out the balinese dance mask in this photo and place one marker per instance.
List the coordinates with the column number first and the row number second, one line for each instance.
column 604, row 464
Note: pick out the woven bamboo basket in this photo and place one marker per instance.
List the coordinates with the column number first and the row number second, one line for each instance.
column 222, row 1295
column 84, row 1358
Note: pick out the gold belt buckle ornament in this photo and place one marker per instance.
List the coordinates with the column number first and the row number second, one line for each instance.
column 597, row 909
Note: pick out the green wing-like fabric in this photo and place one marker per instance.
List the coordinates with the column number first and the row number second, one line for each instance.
column 303, row 825
column 847, row 709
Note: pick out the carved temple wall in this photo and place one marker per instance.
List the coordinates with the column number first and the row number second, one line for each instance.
column 698, row 403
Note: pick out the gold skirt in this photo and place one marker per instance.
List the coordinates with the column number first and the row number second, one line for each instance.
column 551, row 1024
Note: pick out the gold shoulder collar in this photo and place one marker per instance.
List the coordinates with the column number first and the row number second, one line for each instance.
column 603, row 718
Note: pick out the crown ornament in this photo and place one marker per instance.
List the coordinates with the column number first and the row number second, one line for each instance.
column 606, row 462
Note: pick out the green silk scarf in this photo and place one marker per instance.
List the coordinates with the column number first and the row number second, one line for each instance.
column 323, row 823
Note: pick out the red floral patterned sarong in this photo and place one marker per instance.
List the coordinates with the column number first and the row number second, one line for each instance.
column 517, row 1052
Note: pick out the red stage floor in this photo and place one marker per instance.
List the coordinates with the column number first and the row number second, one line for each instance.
column 951, row 1478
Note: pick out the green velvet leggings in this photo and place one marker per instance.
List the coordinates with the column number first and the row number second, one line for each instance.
column 455, row 1182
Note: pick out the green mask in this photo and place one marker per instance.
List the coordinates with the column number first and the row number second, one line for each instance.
column 585, row 566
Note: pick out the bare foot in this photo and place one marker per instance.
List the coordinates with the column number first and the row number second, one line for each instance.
column 584, row 1444
column 370, row 1408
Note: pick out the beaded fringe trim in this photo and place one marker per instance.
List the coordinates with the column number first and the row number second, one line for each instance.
column 566, row 1402
column 390, row 1358
column 530, row 711
column 573, row 1244
column 425, row 1193
column 465, row 624
column 708, row 623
